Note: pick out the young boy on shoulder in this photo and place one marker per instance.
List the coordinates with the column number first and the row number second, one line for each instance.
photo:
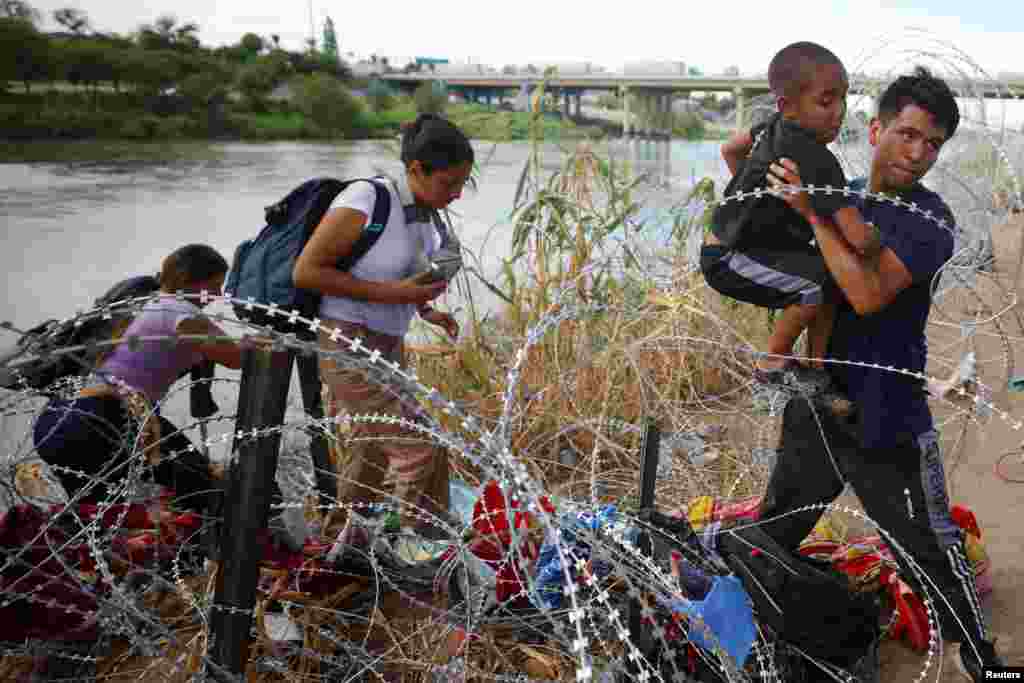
column 760, row 250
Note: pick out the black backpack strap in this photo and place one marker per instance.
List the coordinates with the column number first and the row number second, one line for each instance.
column 129, row 288
column 441, row 227
column 374, row 226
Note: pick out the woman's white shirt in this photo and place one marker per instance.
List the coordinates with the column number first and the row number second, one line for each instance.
column 394, row 256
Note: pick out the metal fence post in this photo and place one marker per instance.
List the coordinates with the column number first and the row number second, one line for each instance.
column 650, row 445
column 262, row 400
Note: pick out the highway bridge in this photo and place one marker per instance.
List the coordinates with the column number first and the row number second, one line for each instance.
column 656, row 90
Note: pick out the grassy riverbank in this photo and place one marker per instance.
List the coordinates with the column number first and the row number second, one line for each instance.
column 62, row 114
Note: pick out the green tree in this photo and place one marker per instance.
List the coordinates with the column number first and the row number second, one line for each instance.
column 151, row 71
column 330, row 44
column 72, row 19
column 205, row 88
column 317, row 62
column 87, row 63
column 431, row 97
column 609, row 101
column 379, row 95
column 119, row 58
column 304, row 63
column 204, row 79
column 114, row 53
column 327, row 103
column 19, row 9
column 25, row 53
column 232, row 53
column 166, row 34
column 257, row 79
column 252, row 44
column 333, row 66
column 688, row 125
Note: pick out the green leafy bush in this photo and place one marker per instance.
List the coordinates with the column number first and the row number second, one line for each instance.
column 379, row 96
column 431, row 97
column 327, row 103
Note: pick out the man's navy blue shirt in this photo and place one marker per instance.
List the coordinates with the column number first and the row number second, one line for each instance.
column 893, row 407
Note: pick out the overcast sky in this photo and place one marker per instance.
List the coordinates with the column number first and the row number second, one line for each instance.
column 706, row 34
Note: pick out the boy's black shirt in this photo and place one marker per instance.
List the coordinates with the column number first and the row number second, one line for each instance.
column 767, row 220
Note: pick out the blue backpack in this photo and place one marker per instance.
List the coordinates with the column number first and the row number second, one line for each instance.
column 262, row 267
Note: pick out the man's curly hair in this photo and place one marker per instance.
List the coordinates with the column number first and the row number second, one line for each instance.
column 927, row 92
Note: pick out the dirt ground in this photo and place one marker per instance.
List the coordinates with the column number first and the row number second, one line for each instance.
column 997, row 504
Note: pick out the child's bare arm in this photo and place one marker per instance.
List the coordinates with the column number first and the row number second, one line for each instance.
column 736, row 148
column 862, row 236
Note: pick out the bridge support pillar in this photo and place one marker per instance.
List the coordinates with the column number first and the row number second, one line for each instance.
column 645, row 119
column 653, row 105
column 740, row 96
column 654, row 119
column 579, row 104
column 658, row 122
column 657, row 102
column 523, row 98
column 670, row 114
column 566, row 104
column 657, row 117
column 667, row 117
column 627, row 121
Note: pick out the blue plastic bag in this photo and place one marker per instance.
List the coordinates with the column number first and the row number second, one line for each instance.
column 726, row 612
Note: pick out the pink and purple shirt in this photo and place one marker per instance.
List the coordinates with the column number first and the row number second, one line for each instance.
column 153, row 366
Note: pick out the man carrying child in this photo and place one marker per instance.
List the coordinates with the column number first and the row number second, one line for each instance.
column 888, row 449
column 759, row 249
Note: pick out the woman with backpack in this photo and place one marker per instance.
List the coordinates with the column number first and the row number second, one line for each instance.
column 89, row 439
column 374, row 301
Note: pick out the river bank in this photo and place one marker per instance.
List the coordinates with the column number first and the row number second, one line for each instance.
column 78, row 115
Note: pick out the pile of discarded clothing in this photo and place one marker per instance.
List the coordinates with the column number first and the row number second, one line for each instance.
column 826, row 600
column 50, row 581
column 734, row 581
